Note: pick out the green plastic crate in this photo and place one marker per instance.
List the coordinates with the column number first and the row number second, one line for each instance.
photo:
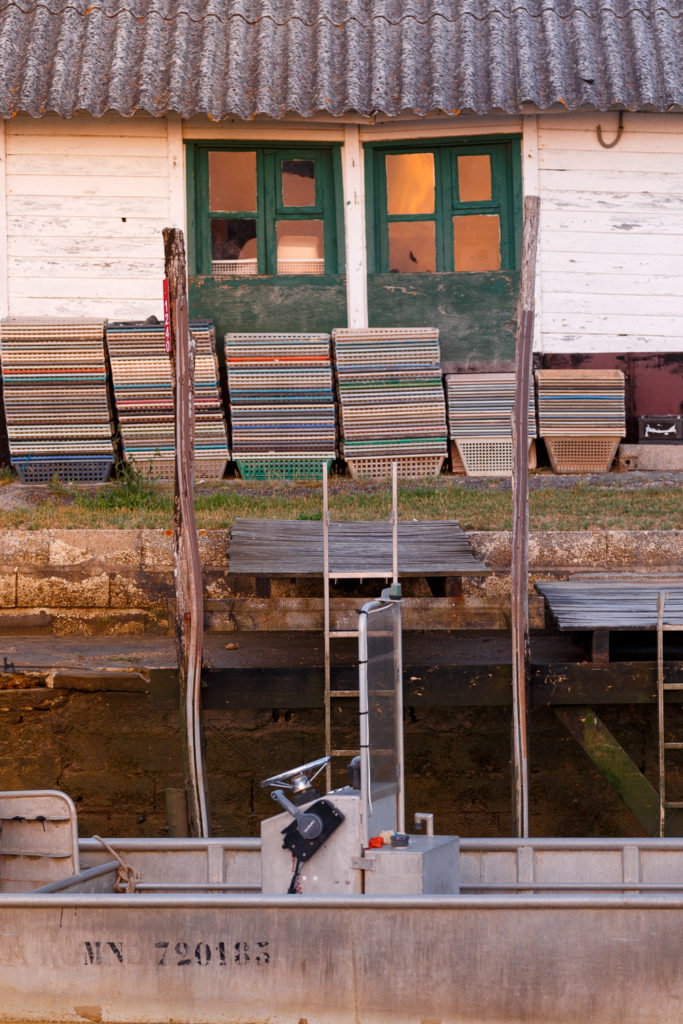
column 282, row 469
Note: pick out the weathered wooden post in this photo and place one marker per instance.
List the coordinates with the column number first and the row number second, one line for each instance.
column 189, row 615
column 519, row 599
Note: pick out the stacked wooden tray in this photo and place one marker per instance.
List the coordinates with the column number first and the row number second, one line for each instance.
column 480, row 408
column 581, row 417
column 391, row 400
column 59, row 422
column 281, row 404
column 143, row 392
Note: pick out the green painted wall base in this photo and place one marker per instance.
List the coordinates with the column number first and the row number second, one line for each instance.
column 475, row 313
column 270, row 304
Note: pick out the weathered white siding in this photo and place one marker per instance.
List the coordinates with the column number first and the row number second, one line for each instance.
column 611, row 245
column 86, row 202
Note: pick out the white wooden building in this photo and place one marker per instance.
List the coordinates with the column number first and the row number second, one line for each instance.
column 112, row 114
column 84, row 200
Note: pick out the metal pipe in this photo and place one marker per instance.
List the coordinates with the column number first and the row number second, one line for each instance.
column 96, row 901
column 661, row 602
column 398, row 690
column 394, row 521
column 363, row 725
column 171, row 845
column 571, row 886
column 326, row 627
column 198, row 886
column 422, row 818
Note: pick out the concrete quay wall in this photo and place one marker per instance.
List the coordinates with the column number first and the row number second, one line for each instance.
column 91, row 582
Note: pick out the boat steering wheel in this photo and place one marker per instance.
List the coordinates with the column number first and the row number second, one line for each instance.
column 298, row 778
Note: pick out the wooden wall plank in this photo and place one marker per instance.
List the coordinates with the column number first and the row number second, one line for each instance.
column 596, row 341
column 142, row 208
column 614, row 263
column 73, row 267
column 27, row 228
column 593, row 242
column 615, row 284
column 108, row 287
column 615, row 223
column 632, row 141
column 84, row 166
column 86, row 202
column 626, row 202
column 86, row 185
column 633, row 122
column 4, row 286
column 125, row 146
column 612, row 233
column 95, row 247
column 84, row 124
column 112, row 308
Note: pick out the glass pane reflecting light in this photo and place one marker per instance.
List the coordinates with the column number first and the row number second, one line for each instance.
column 476, row 242
column 298, row 182
column 232, row 182
column 412, row 247
column 410, row 183
column 474, row 178
column 300, row 247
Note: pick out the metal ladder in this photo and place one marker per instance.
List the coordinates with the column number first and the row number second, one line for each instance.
column 662, row 687
column 331, row 695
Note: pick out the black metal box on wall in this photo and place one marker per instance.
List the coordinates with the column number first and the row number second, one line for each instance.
column 660, row 429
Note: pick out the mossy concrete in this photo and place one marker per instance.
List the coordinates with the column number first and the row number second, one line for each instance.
column 122, row 580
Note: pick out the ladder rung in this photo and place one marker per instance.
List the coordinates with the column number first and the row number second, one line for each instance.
column 674, row 805
column 344, row 753
column 338, row 633
column 343, row 693
column 673, row 746
column 672, row 686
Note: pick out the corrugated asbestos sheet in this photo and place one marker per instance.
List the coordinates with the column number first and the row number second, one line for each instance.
column 273, row 57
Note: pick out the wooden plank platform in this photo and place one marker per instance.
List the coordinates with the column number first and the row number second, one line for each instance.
column 624, row 604
column 584, row 604
column 283, row 547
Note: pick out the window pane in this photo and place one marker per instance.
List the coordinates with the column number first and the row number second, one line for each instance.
column 410, row 183
column 298, row 182
column 300, row 247
column 476, row 242
column 232, row 182
column 233, row 247
column 412, row 247
column 474, row 178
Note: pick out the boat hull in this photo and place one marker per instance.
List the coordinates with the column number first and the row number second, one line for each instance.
column 453, row 960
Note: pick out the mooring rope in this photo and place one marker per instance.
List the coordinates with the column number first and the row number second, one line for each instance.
column 126, row 876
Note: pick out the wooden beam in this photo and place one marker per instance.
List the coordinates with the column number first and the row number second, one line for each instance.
column 189, row 613
column 354, row 222
column 519, row 610
column 614, row 763
column 600, row 646
column 456, row 686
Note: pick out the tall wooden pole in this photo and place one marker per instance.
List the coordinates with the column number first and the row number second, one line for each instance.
column 519, row 610
column 189, row 615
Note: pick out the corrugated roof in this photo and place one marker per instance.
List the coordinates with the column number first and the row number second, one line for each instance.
column 273, row 57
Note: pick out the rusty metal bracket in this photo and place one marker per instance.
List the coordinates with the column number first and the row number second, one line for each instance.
column 620, row 131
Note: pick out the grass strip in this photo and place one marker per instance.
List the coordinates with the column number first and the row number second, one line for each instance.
column 139, row 504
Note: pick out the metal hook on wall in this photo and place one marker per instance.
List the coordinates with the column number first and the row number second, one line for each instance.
column 620, row 129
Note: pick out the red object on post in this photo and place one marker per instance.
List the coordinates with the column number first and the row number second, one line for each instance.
column 167, row 318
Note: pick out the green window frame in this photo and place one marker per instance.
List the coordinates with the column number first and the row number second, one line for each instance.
column 505, row 201
column 270, row 210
